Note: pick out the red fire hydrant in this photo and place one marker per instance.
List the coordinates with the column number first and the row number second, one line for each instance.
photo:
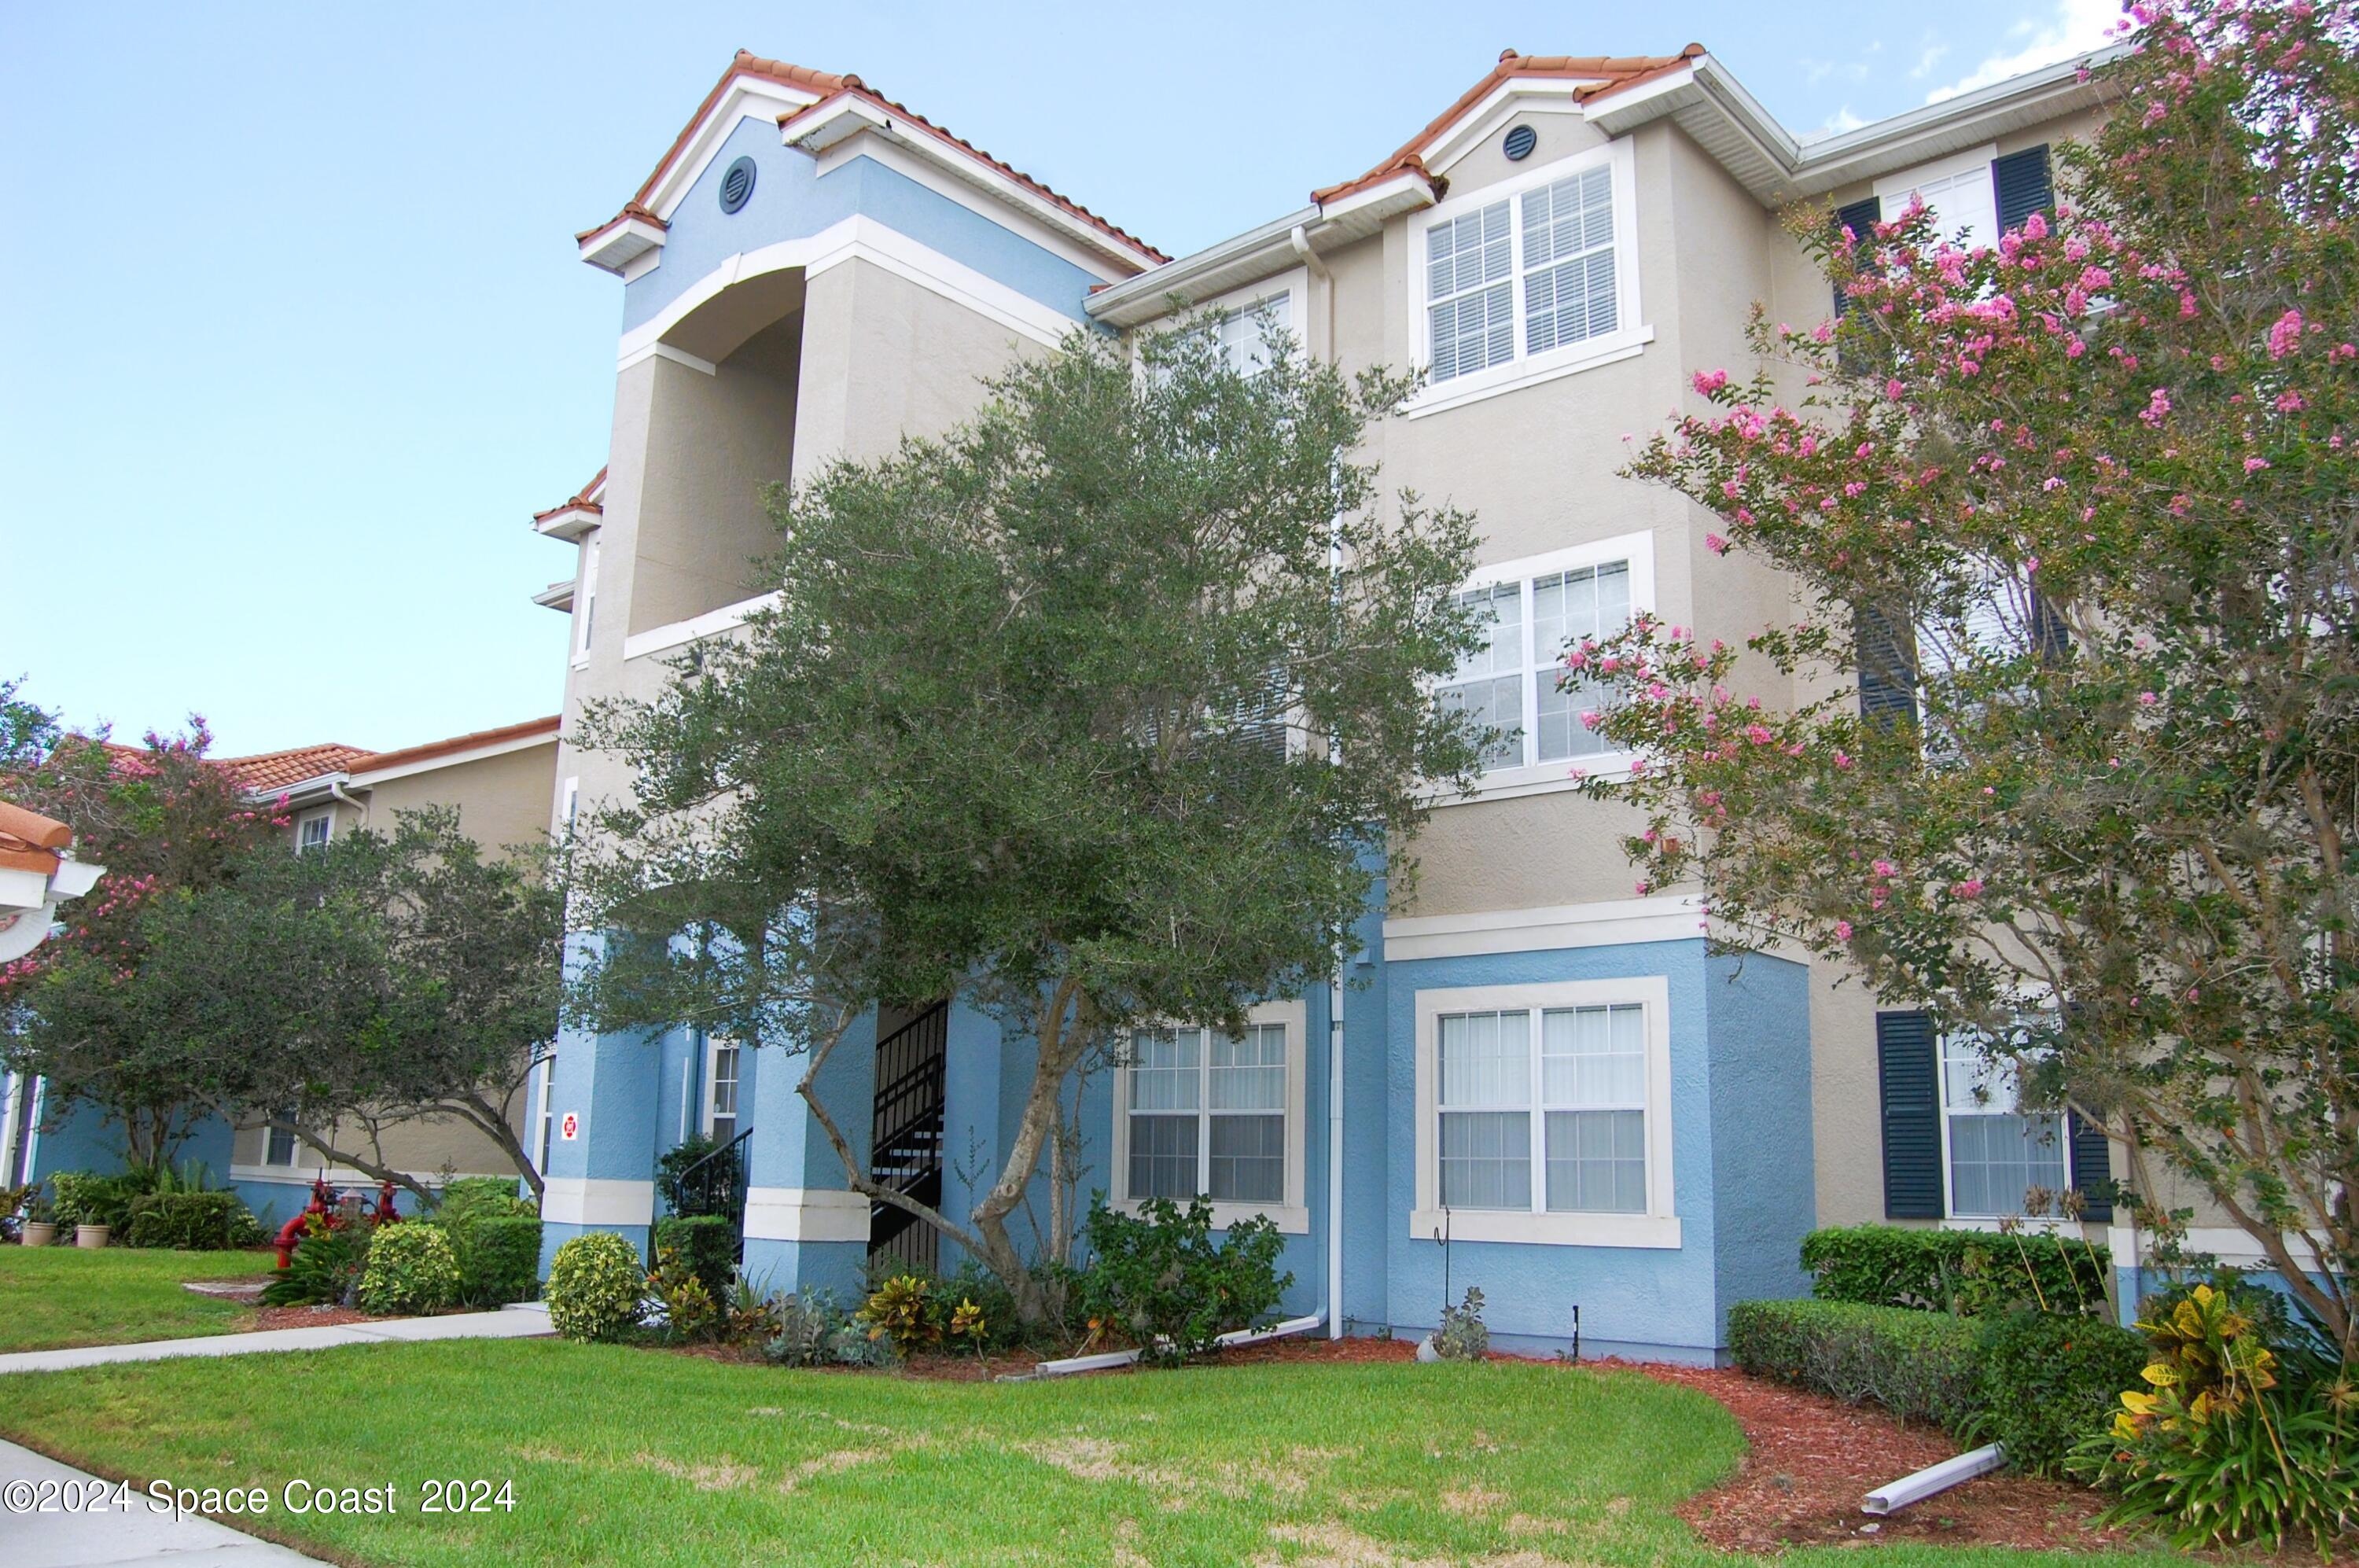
column 323, row 1204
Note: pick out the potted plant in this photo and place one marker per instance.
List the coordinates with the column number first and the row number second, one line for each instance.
column 40, row 1226
column 90, row 1238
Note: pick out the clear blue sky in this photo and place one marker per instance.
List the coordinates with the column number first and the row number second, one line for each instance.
column 293, row 339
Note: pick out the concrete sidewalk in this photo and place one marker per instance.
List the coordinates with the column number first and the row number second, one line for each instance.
column 524, row 1322
column 99, row 1532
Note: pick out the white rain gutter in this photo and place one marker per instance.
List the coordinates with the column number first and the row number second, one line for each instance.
column 336, row 793
column 1915, row 1489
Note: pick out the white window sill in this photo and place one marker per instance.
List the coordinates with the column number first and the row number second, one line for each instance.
column 2029, row 1224
column 1659, row 1232
column 1541, row 778
column 1459, row 391
column 1291, row 1219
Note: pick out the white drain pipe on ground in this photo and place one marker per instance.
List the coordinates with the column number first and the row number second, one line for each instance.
column 1897, row 1495
column 1107, row 1360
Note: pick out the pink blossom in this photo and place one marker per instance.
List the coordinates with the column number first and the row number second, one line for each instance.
column 1843, row 761
column 2285, row 337
column 1710, row 382
column 2147, row 699
column 1895, row 389
column 1843, row 931
column 2254, row 464
column 1714, row 543
column 1972, row 888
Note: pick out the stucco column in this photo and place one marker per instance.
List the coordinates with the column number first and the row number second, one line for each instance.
column 805, row 1228
column 606, row 1089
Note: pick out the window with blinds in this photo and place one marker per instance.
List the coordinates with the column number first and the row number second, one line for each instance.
column 1544, row 1110
column 1539, row 266
column 1514, row 682
column 1207, row 1114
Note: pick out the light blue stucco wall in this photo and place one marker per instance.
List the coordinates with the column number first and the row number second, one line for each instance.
column 792, row 200
column 1741, row 1167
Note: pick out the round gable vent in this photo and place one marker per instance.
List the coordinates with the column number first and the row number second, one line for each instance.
column 1520, row 142
column 737, row 185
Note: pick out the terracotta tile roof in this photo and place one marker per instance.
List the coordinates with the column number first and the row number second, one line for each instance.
column 31, row 842
column 1610, row 73
column 861, row 90
column 579, row 501
column 277, row 769
column 828, row 85
column 372, row 762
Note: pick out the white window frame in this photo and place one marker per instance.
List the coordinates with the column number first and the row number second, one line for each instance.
column 1892, row 191
column 585, row 599
column 1294, row 283
column 1530, row 776
column 713, row 1046
column 1523, row 368
column 326, row 817
column 544, row 1138
column 1292, row 1214
column 1950, row 1210
column 294, row 1159
column 569, row 804
column 1659, row 1227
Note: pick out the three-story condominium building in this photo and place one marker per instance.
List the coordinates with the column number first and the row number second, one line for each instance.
column 1536, row 1080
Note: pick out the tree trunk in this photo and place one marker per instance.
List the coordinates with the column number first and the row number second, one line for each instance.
column 1043, row 1103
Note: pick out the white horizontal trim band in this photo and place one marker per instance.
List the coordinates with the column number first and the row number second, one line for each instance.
column 805, row 1213
column 1609, row 923
column 586, row 1201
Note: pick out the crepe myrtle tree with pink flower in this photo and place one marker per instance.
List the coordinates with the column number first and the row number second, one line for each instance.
column 2076, row 515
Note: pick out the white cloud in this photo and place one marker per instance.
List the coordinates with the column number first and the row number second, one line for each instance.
column 1928, row 57
column 1839, row 121
column 2073, row 27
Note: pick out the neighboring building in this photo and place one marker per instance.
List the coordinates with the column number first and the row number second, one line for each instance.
column 499, row 780
column 1550, row 1072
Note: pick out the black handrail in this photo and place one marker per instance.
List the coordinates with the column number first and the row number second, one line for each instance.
column 704, row 1192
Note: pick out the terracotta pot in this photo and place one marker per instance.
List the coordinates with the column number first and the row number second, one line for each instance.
column 90, row 1238
column 40, row 1232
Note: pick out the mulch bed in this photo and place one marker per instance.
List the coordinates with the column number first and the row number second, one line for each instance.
column 307, row 1317
column 942, row 1367
column 1813, row 1458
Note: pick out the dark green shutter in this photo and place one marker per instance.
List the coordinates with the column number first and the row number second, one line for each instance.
column 1887, row 668
column 1857, row 218
column 2093, row 1168
column 2052, row 639
column 2023, row 185
column 1907, row 1065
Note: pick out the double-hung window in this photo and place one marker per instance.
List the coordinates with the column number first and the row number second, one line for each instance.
column 1514, row 682
column 1997, row 1151
column 720, row 1089
column 1544, row 1114
column 1539, row 267
column 1204, row 1113
column 279, row 1143
column 1242, row 332
column 1545, row 1109
column 312, row 832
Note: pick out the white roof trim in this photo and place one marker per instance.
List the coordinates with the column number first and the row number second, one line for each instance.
column 748, row 98
column 568, row 523
column 848, row 114
column 368, row 777
column 556, row 596
column 618, row 246
column 1450, row 145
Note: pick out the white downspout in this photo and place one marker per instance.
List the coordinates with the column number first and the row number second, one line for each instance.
column 1318, row 269
column 336, row 793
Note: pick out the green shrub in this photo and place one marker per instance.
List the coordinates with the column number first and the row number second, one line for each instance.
column 1971, row 1272
column 326, row 1267
column 707, row 1244
column 1462, row 1336
column 195, row 1221
column 86, row 1197
column 1161, row 1280
column 411, row 1269
column 2048, row 1382
column 467, row 1198
column 1919, row 1366
column 595, row 1285
column 904, row 1314
column 2216, row 1447
column 813, row 1331
column 499, row 1256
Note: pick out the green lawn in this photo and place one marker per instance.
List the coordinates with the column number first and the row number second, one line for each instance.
column 52, row 1297
column 624, row 1455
